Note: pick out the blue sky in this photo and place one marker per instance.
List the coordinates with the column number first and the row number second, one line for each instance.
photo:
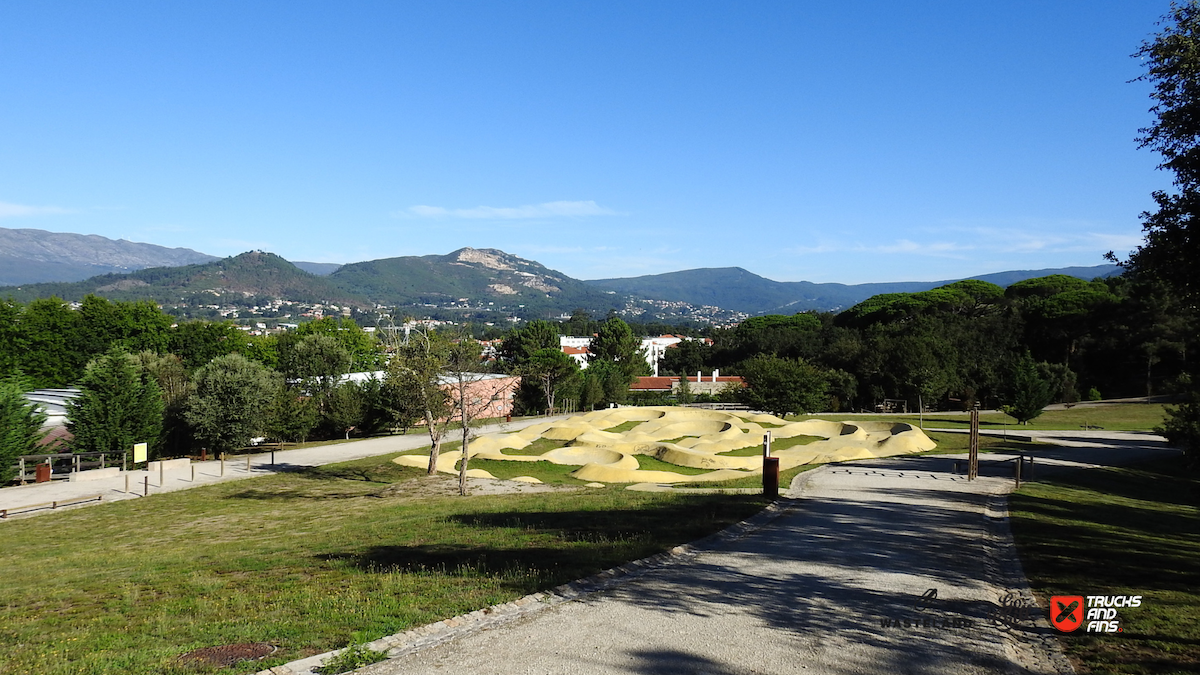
column 846, row 142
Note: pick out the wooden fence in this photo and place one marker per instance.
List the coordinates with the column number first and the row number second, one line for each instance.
column 62, row 465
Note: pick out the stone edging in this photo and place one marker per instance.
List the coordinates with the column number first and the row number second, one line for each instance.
column 1036, row 648
column 453, row 628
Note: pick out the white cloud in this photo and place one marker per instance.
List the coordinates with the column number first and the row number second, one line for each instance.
column 969, row 242
column 560, row 209
column 939, row 249
column 8, row 210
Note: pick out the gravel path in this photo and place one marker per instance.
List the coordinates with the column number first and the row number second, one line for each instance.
column 857, row 546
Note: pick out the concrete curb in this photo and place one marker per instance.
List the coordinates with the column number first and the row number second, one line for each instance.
column 439, row 632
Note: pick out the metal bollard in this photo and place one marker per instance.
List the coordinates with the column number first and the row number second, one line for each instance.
column 126, row 483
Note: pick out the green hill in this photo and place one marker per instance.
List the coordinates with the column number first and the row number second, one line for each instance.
column 252, row 275
column 478, row 276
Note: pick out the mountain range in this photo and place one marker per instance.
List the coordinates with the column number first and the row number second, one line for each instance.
column 489, row 280
column 736, row 289
column 34, row 256
column 30, row 256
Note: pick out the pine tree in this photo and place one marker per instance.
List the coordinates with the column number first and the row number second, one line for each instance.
column 20, row 426
column 1029, row 392
column 117, row 406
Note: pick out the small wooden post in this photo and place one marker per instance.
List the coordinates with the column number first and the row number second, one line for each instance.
column 771, row 477
column 126, row 483
column 193, row 473
column 1017, row 470
column 247, row 463
column 973, row 453
column 160, row 473
column 102, row 460
column 146, row 486
column 21, row 463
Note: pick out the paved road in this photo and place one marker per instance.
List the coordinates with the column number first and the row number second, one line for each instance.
column 113, row 489
column 810, row 592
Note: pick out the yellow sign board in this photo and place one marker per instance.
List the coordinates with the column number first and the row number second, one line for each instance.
column 139, row 452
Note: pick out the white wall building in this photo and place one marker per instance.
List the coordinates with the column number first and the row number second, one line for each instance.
column 653, row 347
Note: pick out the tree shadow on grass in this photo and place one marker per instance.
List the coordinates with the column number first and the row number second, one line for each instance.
column 557, row 546
column 524, row 569
column 297, row 493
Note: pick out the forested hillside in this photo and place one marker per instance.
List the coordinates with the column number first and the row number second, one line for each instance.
column 962, row 342
column 737, row 289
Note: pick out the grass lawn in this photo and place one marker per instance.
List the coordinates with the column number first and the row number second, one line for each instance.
column 308, row 561
column 1124, row 531
column 955, row 443
column 1113, row 417
column 776, row 444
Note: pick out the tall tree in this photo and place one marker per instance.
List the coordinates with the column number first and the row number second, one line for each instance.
column 168, row 373
column 318, row 360
column 12, row 341
column 198, row 342
column 551, row 371
column 518, row 349
column 345, row 410
column 1029, row 393
column 521, row 343
column 47, row 326
column 390, row 404
column 364, row 350
column 615, row 358
column 291, row 416
column 117, row 406
column 417, row 368
column 21, row 423
column 232, row 399
column 474, row 393
column 1171, row 251
column 781, row 386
